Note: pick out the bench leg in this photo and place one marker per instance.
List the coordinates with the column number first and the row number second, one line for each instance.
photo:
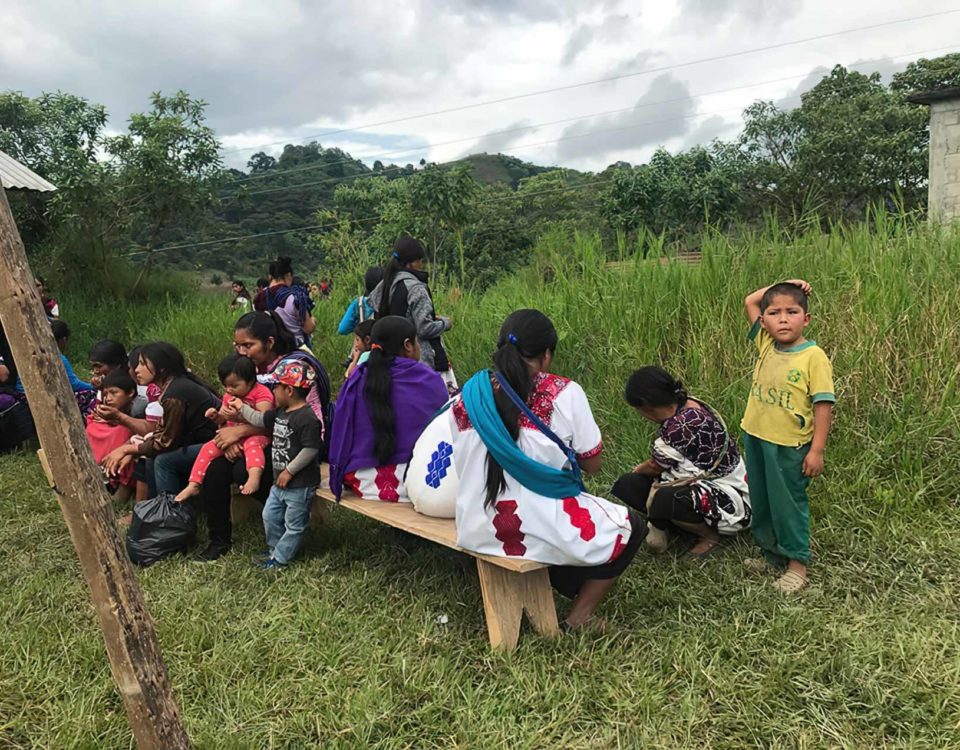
column 539, row 603
column 319, row 513
column 244, row 507
column 506, row 594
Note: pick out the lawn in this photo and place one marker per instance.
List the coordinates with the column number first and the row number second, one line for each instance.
column 376, row 641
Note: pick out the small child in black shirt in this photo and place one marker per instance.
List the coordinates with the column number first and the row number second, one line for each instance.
column 296, row 446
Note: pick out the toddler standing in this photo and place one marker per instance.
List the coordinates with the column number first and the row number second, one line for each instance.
column 296, row 448
column 785, row 427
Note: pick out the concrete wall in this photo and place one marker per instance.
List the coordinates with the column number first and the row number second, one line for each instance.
column 944, row 195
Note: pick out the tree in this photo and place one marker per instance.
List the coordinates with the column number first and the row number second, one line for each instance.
column 851, row 142
column 927, row 75
column 58, row 137
column 442, row 200
column 261, row 162
column 167, row 165
column 672, row 195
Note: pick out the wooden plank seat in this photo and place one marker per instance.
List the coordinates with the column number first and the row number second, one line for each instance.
column 509, row 586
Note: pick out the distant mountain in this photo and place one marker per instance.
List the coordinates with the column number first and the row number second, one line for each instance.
column 500, row 168
column 276, row 194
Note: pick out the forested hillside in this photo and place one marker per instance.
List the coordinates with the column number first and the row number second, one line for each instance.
column 159, row 194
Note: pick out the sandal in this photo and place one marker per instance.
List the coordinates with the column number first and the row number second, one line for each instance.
column 656, row 539
column 790, row 582
column 704, row 554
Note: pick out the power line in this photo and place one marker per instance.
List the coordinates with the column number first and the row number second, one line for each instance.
column 562, row 189
column 608, row 79
column 590, row 134
column 319, row 166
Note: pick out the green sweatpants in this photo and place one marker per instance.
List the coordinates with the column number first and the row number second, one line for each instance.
column 778, row 498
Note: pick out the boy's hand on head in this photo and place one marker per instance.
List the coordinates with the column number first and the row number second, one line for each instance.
column 804, row 285
column 813, row 464
column 283, row 479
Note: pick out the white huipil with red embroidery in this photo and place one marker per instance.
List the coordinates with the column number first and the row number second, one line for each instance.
column 582, row 530
column 384, row 483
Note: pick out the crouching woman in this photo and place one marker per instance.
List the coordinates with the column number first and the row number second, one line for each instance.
column 695, row 480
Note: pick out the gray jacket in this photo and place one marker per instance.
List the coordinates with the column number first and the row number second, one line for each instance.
column 420, row 312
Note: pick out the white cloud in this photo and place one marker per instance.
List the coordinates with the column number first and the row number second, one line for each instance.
column 278, row 69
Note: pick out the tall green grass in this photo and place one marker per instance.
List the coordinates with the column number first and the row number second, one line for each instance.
column 344, row 650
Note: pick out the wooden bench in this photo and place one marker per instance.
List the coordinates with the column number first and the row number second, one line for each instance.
column 510, row 586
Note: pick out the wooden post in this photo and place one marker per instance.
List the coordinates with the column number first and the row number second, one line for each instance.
column 128, row 629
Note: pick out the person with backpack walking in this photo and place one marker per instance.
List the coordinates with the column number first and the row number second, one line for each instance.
column 405, row 291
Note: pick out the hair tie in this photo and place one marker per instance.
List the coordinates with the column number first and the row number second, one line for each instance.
column 512, row 339
column 377, row 347
column 396, row 255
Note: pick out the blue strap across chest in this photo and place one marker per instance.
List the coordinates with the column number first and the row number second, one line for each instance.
column 535, row 475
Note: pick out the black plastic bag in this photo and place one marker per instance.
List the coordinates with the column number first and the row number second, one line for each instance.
column 161, row 527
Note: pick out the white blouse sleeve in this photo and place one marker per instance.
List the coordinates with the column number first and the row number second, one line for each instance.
column 573, row 422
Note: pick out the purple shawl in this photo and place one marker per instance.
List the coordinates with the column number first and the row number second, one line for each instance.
column 418, row 392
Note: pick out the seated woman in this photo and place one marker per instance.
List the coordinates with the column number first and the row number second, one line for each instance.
column 182, row 430
column 695, row 480
column 381, row 411
column 264, row 338
column 520, row 492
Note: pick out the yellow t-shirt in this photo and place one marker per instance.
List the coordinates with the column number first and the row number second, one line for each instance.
column 786, row 385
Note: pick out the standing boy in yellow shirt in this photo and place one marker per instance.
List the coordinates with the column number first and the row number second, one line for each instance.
column 785, row 427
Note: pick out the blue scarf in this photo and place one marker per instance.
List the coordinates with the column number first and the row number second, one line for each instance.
column 535, row 476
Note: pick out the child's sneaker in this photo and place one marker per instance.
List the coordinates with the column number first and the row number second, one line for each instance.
column 261, row 557
column 271, row 564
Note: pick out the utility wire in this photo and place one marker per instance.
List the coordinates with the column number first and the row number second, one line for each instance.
column 363, row 220
column 324, row 165
column 608, row 79
column 524, row 146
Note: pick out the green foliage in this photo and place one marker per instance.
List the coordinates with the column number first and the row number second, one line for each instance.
column 165, row 164
column 474, row 231
column 58, row 136
column 852, row 142
column 111, row 190
column 673, row 193
column 344, row 649
column 928, row 75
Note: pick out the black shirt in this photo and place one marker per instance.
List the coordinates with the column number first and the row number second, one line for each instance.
column 292, row 431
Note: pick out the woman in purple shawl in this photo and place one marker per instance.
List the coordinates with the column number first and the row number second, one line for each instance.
column 380, row 413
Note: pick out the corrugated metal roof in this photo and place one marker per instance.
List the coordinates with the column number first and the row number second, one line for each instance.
column 14, row 175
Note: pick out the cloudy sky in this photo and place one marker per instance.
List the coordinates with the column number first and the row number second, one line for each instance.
column 276, row 71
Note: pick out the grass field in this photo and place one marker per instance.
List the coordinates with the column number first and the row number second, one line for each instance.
column 347, row 650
